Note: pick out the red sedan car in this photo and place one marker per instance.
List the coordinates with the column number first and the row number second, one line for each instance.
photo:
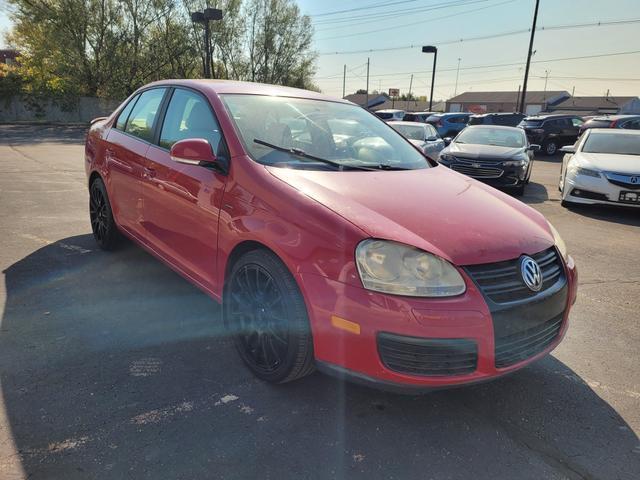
column 330, row 240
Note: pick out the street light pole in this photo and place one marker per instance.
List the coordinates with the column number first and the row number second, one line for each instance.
column 455, row 91
column 204, row 18
column 526, row 70
column 434, row 50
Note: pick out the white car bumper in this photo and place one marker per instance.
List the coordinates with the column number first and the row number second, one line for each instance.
column 598, row 190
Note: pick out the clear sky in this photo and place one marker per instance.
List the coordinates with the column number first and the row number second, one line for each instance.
column 452, row 26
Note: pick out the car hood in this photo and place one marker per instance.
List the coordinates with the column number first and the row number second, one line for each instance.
column 609, row 162
column 464, row 150
column 435, row 209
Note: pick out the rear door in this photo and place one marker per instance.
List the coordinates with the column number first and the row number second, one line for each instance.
column 574, row 129
column 182, row 202
column 127, row 144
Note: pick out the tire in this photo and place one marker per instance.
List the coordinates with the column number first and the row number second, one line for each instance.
column 550, row 147
column 105, row 230
column 266, row 315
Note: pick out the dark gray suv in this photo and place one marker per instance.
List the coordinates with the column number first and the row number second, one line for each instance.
column 552, row 131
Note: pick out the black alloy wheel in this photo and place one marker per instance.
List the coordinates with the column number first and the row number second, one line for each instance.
column 267, row 317
column 103, row 225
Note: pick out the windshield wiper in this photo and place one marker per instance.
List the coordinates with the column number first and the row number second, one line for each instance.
column 301, row 153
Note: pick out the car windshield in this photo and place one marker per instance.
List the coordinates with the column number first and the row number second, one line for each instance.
column 502, row 137
column 413, row 132
column 617, row 143
column 307, row 131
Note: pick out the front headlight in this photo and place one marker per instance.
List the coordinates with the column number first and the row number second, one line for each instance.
column 588, row 172
column 562, row 247
column 445, row 157
column 514, row 163
column 392, row 267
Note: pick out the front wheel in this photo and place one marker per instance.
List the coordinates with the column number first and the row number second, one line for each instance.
column 266, row 315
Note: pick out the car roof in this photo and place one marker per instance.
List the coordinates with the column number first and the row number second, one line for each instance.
column 410, row 124
column 613, row 117
column 389, row 110
column 251, row 88
column 495, row 114
column 613, row 131
column 551, row 115
column 446, row 114
column 421, row 113
column 494, row 127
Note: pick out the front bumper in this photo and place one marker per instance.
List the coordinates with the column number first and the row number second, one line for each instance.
column 595, row 190
column 468, row 317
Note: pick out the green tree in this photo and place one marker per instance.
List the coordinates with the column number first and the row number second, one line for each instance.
column 111, row 47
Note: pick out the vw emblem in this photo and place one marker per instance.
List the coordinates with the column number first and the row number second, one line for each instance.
column 635, row 179
column 531, row 273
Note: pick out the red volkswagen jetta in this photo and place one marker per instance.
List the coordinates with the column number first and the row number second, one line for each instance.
column 329, row 239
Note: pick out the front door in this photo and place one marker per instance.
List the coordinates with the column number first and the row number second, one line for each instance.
column 182, row 202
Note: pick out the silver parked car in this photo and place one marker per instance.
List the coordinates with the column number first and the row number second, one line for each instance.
column 422, row 135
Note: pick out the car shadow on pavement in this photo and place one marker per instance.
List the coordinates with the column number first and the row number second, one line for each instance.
column 535, row 193
column 609, row 213
column 113, row 366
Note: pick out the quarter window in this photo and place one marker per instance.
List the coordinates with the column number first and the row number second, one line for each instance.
column 189, row 116
column 122, row 118
column 576, row 122
column 143, row 115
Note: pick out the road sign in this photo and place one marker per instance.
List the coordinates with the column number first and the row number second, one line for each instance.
column 394, row 92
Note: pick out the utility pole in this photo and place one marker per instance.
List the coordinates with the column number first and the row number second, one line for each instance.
column 367, row 104
column 409, row 94
column 518, row 99
column 526, row 71
column 344, row 79
column 546, row 78
column 573, row 91
column 455, row 92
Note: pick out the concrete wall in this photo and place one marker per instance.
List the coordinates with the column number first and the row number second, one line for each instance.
column 37, row 109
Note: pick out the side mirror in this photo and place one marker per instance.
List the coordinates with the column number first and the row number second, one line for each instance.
column 534, row 148
column 193, row 151
column 447, row 140
column 568, row 149
column 432, row 138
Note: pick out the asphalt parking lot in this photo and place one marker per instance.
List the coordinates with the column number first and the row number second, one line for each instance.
column 113, row 366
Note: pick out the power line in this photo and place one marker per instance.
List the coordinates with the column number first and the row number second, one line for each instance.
column 383, row 15
column 487, row 37
column 372, row 5
column 421, row 22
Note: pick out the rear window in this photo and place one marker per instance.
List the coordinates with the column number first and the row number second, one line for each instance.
column 527, row 123
column 476, row 121
column 384, row 115
column 604, row 142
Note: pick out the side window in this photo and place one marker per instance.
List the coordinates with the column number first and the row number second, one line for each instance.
column 576, row 122
column 124, row 114
column 189, row 116
column 631, row 125
column 140, row 122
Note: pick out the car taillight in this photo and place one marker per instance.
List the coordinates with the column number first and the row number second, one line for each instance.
column 613, row 124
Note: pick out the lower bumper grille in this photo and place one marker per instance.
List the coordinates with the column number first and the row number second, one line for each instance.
column 518, row 346
column 427, row 356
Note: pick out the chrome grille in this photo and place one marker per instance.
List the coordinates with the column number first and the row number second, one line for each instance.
column 477, row 168
column 632, row 182
column 501, row 282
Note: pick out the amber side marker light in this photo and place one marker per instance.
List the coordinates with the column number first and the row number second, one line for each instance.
column 343, row 324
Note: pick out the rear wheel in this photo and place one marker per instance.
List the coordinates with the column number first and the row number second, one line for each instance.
column 550, row 147
column 266, row 315
column 103, row 225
